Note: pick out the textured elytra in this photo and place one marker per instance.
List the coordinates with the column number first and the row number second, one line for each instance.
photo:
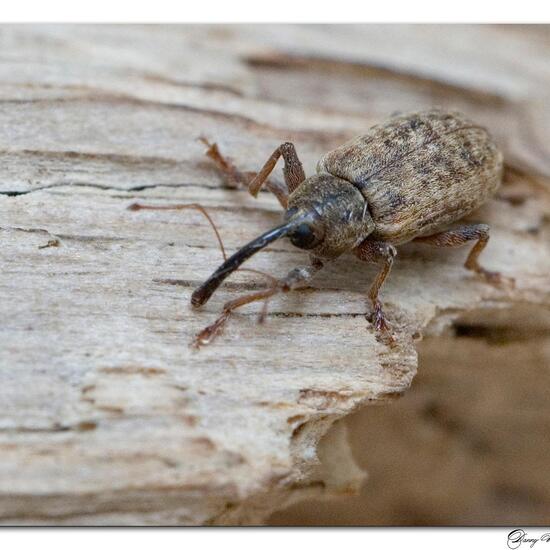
column 419, row 172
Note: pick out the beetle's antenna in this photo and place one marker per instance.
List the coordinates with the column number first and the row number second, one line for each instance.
column 202, row 210
column 136, row 206
column 205, row 291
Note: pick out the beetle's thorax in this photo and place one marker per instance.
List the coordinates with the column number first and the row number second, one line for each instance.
column 336, row 209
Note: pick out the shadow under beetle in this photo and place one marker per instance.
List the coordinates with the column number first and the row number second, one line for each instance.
column 407, row 179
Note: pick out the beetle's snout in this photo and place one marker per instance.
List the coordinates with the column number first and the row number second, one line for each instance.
column 203, row 293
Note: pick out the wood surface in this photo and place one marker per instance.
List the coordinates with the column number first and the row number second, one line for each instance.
column 108, row 415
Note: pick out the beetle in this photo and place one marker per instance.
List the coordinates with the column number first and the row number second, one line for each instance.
column 407, row 179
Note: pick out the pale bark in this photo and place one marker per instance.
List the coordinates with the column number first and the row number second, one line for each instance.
column 108, row 415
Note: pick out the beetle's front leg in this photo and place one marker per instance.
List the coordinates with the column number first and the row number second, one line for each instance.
column 377, row 251
column 295, row 278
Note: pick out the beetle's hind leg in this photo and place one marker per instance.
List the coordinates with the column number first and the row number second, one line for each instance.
column 295, row 278
column 460, row 236
column 378, row 251
column 235, row 178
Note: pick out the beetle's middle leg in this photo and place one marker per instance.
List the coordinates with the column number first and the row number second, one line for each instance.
column 295, row 278
column 377, row 251
column 461, row 235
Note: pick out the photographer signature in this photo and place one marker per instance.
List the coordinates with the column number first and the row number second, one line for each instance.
column 517, row 537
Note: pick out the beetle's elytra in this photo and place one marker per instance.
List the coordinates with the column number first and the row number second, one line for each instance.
column 407, row 179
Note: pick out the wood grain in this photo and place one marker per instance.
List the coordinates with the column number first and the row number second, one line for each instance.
column 109, row 417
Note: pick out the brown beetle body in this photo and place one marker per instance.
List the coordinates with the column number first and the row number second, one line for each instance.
column 419, row 172
column 407, row 179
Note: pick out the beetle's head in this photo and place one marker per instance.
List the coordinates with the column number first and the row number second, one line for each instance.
column 333, row 216
column 326, row 216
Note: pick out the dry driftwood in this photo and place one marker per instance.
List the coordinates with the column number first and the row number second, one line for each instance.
column 108, row 415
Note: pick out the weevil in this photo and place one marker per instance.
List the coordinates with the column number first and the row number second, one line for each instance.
column 407, row 179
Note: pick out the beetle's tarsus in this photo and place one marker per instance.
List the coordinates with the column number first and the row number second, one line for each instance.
column 496, row 278
column 379, row 321
column 378, row 318
column 209, row 333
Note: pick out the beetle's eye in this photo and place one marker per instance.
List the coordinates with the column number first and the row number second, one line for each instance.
column 303, row 236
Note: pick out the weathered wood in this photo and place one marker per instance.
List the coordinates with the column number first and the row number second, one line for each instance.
column 108, row 415
column 467, row 444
